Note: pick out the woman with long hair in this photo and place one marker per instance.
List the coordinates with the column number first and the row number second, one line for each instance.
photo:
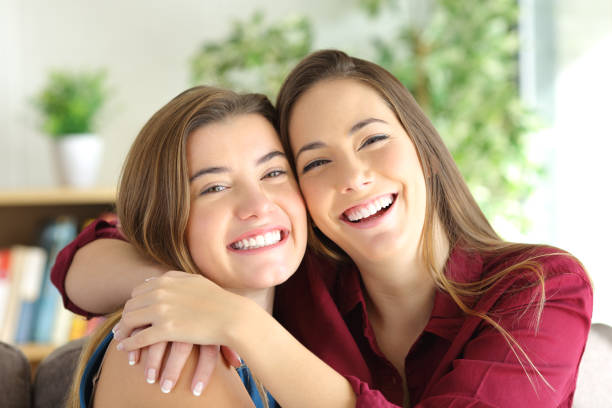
column 206, row 188
column 406, row 289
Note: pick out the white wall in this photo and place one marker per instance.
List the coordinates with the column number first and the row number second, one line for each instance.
column 145, row 45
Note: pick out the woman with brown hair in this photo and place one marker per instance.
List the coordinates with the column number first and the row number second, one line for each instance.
column 206, row 188
column 407, row 292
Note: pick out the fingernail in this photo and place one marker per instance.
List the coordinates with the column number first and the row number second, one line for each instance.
column 197, row 390
column 120, row 346
column 151, row 376
column 115, row 328
column 166, row 386
column 132, row 358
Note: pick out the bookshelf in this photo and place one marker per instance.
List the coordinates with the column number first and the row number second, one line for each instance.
column 23, row 213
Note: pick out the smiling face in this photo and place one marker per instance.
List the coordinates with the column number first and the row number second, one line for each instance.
column 247, row 222
column 359, row 171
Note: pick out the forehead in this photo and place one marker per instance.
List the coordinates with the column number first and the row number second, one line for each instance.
column 337, row 104
column 234, row 139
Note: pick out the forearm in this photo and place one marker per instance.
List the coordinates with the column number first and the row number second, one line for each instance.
column 293, row 375
column 104, row 272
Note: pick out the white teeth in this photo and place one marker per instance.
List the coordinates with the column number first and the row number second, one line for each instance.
column 259, row 241
column 370, row 209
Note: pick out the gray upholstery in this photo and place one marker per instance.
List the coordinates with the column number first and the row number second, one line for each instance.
column 54, row 375
column 595, row 373
column 15, row 385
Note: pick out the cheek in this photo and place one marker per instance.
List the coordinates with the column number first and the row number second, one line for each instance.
column 316, row 194
column 202, row 226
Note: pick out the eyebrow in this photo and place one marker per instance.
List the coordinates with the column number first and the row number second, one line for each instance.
column 216, row 170
column 356, row 127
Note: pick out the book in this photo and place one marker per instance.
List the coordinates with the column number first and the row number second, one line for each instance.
column 33, row 262
column 11, row 308
column 5, row 282
column 55, row 236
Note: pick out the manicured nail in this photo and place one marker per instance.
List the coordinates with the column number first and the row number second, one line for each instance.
column 166, row 386
column 197, row 390
column 115, row 328
column 132, row 358
column 151, row 376
column 120, row 346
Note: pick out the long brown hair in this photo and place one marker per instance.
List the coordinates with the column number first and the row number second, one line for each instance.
column 153, row 201
column 448, row 197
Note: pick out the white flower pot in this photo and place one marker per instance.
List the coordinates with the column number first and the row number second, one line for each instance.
column 78, row 159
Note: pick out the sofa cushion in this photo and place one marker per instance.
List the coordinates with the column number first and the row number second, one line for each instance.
column 15, row 377
column 595, row 373
column 54, row 375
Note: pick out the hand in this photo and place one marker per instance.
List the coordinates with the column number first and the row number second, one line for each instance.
column 178, row 354
column 179, row 307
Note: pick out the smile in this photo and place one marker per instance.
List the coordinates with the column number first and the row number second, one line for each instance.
column 261, row 240
column 369, row 210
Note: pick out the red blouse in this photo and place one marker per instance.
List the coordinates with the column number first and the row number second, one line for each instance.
column 458, row 360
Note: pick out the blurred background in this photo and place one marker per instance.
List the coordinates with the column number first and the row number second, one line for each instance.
column 517, row 89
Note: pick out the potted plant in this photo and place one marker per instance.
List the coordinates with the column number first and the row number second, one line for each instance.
column 69, row 104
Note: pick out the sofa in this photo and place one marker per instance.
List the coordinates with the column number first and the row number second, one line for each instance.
column 54, row 374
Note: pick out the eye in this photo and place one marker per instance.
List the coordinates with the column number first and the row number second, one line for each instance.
column 217, row 188
column 373, row 139
column 274, row 173
column 313, row 164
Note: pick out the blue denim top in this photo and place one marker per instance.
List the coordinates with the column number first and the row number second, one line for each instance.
column 92, row 368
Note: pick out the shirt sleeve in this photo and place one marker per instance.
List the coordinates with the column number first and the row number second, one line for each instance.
column 100, row 228
column 492, row 374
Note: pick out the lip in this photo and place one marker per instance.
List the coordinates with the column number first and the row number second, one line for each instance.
column 259, row 231
column 374, row 221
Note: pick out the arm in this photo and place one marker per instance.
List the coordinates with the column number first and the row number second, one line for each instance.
column 96, row 272
column 104, row 272
column 190, row 308
column 121, row 385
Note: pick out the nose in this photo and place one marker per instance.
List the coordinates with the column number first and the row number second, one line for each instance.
column 353, row 175
column 254, row 203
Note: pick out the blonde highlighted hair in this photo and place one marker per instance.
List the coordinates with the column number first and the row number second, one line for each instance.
column 153, row 200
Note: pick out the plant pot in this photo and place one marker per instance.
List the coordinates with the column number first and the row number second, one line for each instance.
column 78, row 158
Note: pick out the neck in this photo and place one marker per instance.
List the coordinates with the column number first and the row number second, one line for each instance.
column 401, row 289
column 263, row 297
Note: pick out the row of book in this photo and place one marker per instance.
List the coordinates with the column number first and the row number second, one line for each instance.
column 31, row 309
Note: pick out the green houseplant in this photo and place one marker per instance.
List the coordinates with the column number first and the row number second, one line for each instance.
column 69, row 104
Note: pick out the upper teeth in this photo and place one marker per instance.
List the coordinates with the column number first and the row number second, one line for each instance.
column 258, row 241
column 370, row 209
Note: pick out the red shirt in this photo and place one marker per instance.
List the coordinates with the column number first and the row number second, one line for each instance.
column 458, row 360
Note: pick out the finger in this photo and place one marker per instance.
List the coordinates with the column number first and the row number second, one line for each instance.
column 144, row 338
column 231, row 357
column 134, row 356
column 135, row 319
column 207, row 361
column 178, row 274
column 153, row 361
column 174, row 365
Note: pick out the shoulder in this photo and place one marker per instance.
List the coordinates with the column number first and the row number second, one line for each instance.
column 531, row 271
column 524, row 260
column 122, row 385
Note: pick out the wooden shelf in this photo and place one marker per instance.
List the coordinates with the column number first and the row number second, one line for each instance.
column 23, row 212
column 56, row 196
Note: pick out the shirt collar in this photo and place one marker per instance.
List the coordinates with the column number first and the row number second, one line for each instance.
column 446, row 317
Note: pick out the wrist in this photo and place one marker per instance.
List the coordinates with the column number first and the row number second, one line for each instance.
column 247, row 319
